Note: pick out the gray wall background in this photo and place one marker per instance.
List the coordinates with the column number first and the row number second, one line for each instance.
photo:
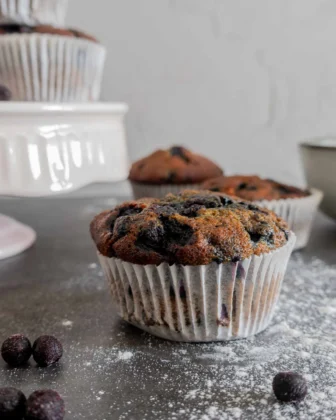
column 242, row 82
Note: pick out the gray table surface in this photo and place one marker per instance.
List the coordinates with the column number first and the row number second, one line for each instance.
column 113, row 371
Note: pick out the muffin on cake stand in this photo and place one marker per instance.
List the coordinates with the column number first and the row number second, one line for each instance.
column 57, row 137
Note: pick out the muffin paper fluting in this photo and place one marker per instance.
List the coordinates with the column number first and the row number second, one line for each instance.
column 41, row 67
column 32, row 12
column 299, row 213
column 216, row 302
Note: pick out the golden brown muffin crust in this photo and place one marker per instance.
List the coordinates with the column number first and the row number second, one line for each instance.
column 191, row 228
column 176, row 165
column 253, row 188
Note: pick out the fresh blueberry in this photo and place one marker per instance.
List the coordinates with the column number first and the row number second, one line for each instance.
column 45, row 405
column 16, row 350
column 47, row 350
column 12, row 404
column 290, row 387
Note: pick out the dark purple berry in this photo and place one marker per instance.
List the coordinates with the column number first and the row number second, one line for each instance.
column 12, row 404
column 225, row 201
column 192, row 211
column 16, row 350
column 47, row 350
column 179, row 152
column 5, row 93
column 246, row 186
column 170, row 178
column 129, row 210
column 283, row 189
column 289, row 387
column 176, row 232
column 45, row 405
column 209, row 202
column 152, row 238
column 224, row 319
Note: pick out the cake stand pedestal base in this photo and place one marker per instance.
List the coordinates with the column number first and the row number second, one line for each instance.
column 15, row 237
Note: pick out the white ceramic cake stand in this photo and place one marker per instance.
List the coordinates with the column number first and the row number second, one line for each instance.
column 48, row 149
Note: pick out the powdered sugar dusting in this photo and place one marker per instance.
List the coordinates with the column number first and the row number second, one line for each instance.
column 233, row 380
column 125, row 355
column 129, row 374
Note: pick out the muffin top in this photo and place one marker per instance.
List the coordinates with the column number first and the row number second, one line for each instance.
column 253, row 188
column 191, row 228
column 176, row 165
column 43, row 29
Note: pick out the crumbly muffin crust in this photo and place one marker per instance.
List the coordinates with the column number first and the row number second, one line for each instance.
column 44, row 29
column 176, row 165
column 191, row 228
column 253, row 188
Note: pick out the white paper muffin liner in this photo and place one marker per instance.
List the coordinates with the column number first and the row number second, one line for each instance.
column 158, row 191
column 215, row 302
column 299, row 213
column 51, row 68
column 33, row 12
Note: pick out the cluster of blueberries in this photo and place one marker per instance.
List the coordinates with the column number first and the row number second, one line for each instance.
column 48, row 405
column 43, row 404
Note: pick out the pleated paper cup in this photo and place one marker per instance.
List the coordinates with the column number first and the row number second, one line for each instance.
column 299, row 213
column 51, row 68
column 159, row 191
column 215, row 302
column 33, row 12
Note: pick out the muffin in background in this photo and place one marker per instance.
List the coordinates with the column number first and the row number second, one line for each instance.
column 46, row 63
column 197, row 266
column 171, row 170
column 297, row 206
column 33, row 12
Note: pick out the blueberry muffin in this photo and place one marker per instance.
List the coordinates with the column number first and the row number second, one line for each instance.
column 253, row 188
column 297, row 206
column 50, row 64
column 197, row 266
column 33, row 12
column 170, row 170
